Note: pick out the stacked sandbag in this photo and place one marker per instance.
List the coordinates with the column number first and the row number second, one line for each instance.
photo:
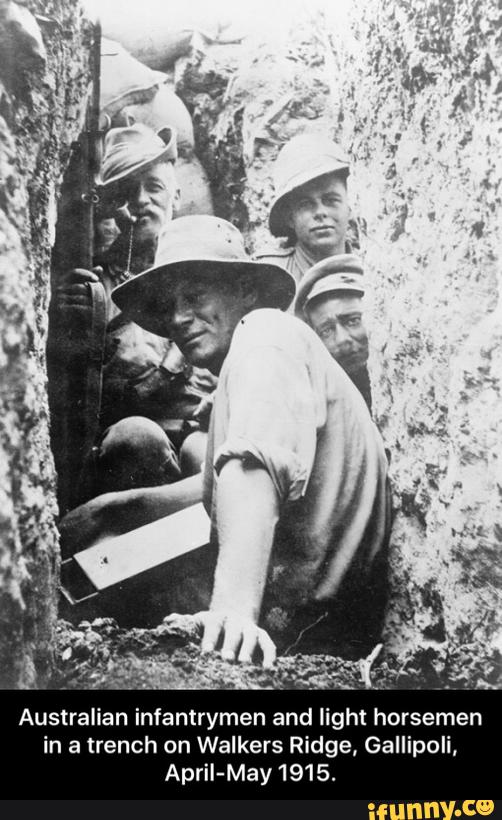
column 133, row 92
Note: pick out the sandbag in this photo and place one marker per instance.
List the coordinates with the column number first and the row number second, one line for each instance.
column 195, row 189
column 132, row 92
column 124, row 80
column 165, row 108
column 158, row 44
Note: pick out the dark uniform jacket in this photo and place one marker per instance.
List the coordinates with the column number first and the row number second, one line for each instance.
column 146, row 375
column 103, row 368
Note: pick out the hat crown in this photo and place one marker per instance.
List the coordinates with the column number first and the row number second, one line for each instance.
column 133, row 147
column 340, row 272
column 338, row 263
column 193, row 246
column 303, row 159
column 306, row 154
column 200, row 237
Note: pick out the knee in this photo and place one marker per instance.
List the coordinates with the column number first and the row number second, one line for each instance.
column 133, row 437
column 193, row 453
column 135, row 452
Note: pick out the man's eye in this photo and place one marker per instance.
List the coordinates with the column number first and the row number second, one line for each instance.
column 118, row 200
column 325, row 333
column 354, row 321
column 196, row 297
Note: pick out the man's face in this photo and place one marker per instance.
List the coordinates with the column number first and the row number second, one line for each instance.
column 337, row 320
column 201, row 315
column 319, row 216
column 150, row 197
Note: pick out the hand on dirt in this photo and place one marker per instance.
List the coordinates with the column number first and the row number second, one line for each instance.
column 238, row 637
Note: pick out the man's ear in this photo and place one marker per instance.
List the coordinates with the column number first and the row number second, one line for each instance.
column 249, row 291
column 176, row 201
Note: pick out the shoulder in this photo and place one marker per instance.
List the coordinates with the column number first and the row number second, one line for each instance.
column 284, row 258
column 272, row 252
column 270, row 320
column 268, row 327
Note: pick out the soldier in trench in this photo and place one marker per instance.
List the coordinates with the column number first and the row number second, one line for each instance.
column 330, row 300
column 311, row 212
column 148, row 434
column 295, row 473
column 311, row 209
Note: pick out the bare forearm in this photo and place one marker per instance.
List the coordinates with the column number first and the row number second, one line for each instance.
column 116, row 513
column 247, row 513
column 134, row 508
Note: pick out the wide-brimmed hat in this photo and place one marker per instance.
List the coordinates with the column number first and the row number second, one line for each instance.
column 342, row 272
column 134, row 148
column 302, row 159
column 194, row 246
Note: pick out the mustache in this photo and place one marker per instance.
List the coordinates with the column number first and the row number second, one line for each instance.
column 126, row 212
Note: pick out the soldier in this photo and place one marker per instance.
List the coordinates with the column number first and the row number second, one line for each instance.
column 330, row 300
column 311, row 210
column 149, row 393
column 295, row 470
column 311, row 207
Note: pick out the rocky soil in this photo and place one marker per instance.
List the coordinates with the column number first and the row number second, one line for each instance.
column 44, row 80
column 101, row 655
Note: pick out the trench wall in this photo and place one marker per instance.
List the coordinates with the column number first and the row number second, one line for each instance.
column 421, row 114
column 413, row 92
column 44, row 78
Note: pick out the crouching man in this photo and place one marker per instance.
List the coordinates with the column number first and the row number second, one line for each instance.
column 295, row 472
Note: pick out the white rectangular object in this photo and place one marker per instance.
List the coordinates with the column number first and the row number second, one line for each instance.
column 120, row 557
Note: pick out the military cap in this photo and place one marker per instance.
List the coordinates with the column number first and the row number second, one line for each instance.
column 341, row 272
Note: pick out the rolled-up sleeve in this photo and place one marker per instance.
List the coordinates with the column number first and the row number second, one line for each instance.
column 266, row 414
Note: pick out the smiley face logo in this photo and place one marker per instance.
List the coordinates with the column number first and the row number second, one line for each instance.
column 485, row 807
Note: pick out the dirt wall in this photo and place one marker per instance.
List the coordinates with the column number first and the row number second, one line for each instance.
column 44, row 78
column 413, row 92
column 421, row 114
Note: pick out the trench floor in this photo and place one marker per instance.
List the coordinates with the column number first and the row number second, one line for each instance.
column 99, row 654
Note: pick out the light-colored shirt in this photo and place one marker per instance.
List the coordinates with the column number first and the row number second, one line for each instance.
column 284, row 403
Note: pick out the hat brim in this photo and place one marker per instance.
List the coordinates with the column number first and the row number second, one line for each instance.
column 276, row 220
column 166, row 154
column 143, row 299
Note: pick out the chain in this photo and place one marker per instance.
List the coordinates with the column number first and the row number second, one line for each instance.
column 127, row 272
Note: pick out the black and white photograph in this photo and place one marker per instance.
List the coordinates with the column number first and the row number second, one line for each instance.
column 251, row 345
